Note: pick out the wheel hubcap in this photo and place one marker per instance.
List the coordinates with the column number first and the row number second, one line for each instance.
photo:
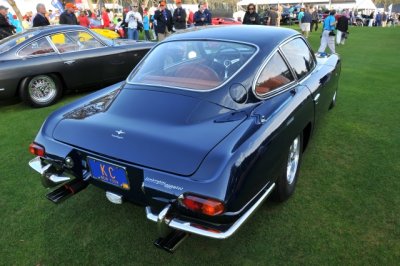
column 42, row 89
column 293, row 160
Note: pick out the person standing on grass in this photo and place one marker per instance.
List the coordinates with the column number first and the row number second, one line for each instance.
column 83, row 19
column 342, row 28
column 6, row 28
column 314, row 20
column 146, row 24
column 328, row 37
column 300, row 16
column 164, row 22
column 132, row 18
column 273, row 17
column 306, row 23
column 251, row 17
column 384, row 19
column 40, row 18
column 68, row 16
column 202, row 17
column 179, row 16
column 105, row 19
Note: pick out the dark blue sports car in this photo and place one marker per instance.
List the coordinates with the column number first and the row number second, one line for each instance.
column 205, row 128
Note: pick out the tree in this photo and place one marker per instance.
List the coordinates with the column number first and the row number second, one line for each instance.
column 16, row 9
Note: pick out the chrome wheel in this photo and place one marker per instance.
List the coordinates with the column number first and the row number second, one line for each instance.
column 42, row 89
column 293, row 160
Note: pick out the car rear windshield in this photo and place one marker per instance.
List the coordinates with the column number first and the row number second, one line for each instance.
column 9, row 42
column 193, row 65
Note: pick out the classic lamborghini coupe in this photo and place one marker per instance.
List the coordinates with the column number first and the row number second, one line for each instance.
column 209, row 124
column 42, row 63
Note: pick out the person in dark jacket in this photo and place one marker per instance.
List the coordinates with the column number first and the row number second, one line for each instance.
column 202, row 17
column 6, row 28
column 314, row 22
column 40, row 18
column 342, row 27
column 251, row 16
column 179, row 16
column 68, row 16
column 164, row 21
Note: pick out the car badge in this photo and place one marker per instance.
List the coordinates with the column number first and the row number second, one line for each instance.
column 119, row 134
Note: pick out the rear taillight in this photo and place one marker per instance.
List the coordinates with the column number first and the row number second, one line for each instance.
column 205, row 206
column 36, row 149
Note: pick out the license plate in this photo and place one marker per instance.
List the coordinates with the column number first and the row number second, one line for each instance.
column 108, row 173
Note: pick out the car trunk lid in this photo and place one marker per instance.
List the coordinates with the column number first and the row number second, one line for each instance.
column 160, row 130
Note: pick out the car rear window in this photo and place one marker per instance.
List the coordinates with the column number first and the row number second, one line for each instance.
column 193, row 65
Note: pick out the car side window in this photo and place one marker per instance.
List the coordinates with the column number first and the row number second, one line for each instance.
column 275, row 75
column 75, row 41
column 299, row 57
column 38, row 47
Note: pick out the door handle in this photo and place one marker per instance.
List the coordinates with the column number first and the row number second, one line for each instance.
column 69, row 62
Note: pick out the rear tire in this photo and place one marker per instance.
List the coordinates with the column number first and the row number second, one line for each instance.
column 286, row 183
column 41, row 90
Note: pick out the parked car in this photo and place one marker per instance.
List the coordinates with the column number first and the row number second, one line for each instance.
column 40, row 64
column 209, row 124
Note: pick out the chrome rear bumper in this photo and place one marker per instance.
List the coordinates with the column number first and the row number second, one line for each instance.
column 49, row 179
column 165, row 222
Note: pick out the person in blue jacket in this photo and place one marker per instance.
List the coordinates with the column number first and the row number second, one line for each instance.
column 202, row 17
column 328, row 34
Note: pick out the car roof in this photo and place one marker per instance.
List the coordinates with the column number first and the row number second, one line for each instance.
column 259, row 35
column 53, row 28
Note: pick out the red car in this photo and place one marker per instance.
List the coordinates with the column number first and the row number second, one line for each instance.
column 220, row 21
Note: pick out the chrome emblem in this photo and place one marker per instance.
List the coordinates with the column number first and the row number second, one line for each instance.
column 119, row 135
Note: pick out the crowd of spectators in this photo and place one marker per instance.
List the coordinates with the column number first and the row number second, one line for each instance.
column 158, row 21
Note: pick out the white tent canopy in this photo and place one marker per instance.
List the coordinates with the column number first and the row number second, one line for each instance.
column 358, row 4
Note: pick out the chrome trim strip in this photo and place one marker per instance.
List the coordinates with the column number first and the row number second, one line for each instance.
column 282, row 54
column 185, row 226
column 150, row 215
column 2, row 89
column 36, row 165
column 179, row 224
column 56, row 51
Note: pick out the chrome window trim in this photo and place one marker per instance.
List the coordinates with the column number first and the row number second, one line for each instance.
column 311, row 53
column 47, row 36
column 33, row 56
column 93, row 36
column 279, row 89
column 196, row 39
column 289, row 85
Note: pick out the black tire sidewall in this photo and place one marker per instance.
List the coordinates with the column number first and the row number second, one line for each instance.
column 283, row 189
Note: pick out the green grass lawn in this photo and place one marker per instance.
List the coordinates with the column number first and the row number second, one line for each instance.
column 346, row 209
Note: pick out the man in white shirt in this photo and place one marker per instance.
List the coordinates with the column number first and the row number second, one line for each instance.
column 132, row 19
